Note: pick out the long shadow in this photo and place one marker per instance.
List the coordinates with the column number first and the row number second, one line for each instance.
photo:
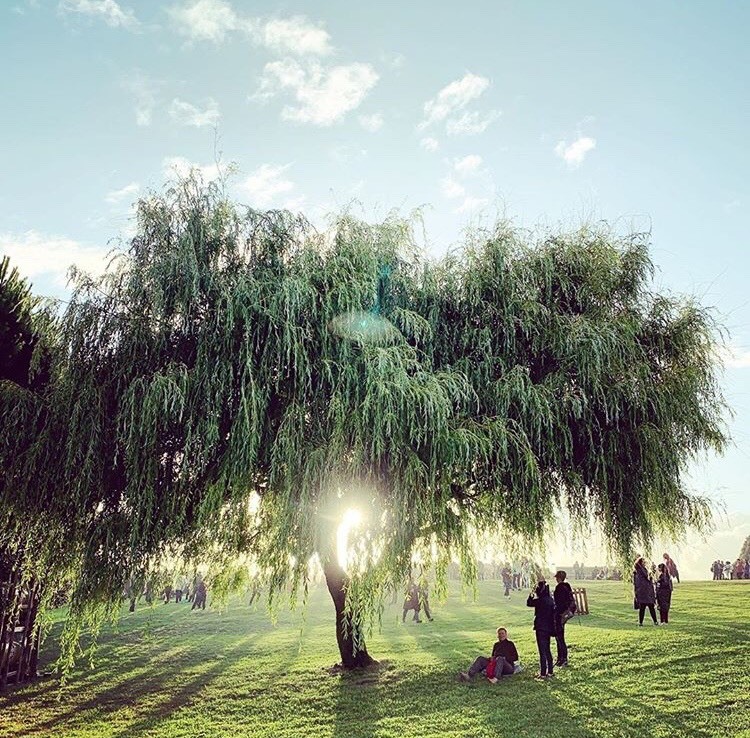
column 154, row 677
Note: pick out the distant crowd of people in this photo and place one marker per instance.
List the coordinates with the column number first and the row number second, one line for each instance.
column 195, row 592
column 581, row 571
column 727, row 570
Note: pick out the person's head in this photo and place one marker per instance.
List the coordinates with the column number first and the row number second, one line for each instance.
column 542, row 588
column 665, row 557
column 640, row 563
column 502, row 634
column 561, row 576
column 662, row 568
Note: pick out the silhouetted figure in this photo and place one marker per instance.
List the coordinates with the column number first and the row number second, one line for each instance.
column 544, row 626
column 564, row 602
column 664, row 593
column 507, row 580
column 643, row 591
column 671, row 567
column 200, row 596
column 424, row 601
column 411, row 602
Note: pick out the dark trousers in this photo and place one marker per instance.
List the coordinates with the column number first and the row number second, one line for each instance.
column 562, row 647
column 642, row 610
column 664, row 614
column 545, row 652
column 178, row 595
column 507, row 587
column 416, row 613
column 502, row 668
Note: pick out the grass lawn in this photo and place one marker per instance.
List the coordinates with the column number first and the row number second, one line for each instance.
column 170, row 672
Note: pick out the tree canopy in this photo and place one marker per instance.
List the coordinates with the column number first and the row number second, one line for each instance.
column 237, row 380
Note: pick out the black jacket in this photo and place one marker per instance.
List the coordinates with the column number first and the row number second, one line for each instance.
column 507, row 649
column 643, row 586
column 563, row 597
column 544, row 618
column 664, row 591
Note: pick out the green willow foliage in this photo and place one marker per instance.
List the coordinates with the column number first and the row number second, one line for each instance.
column 228, row 353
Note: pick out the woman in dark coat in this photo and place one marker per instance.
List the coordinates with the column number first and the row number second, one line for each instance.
column 643, row 587
column 544, row 625
column 664, row 593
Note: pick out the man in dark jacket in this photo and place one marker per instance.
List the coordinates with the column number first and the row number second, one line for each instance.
column 544, row 625
column 564, row 601
column 505, row 654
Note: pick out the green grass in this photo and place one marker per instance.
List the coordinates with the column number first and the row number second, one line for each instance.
column 170, row 672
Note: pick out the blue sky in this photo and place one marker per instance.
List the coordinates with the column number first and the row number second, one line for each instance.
column 547, row 112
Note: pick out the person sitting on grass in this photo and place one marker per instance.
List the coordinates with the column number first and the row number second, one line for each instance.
column 504, row 654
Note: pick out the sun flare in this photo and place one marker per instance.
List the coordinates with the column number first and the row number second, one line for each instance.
column 351, row 519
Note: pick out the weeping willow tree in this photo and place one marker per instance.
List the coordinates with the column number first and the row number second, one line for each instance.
column 237, row 381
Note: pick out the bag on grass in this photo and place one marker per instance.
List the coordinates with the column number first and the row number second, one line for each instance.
column 490, row 670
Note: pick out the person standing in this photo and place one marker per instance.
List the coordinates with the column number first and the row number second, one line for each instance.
column 544, row 627
column 411, row 602
column 671, row 567
column 507, row 580
column 643, row 588
column 564, row 601
column 664, row 593
column 199, row 600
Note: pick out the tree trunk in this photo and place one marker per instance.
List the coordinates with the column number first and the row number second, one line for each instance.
column 351, row 656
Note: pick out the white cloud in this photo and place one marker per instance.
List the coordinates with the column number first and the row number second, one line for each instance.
column 575, row 153
column 732, row 206
column 294, row 203
column 214, row 20
column 429, row 144
column 37, row 254
column 127, row 192
column 470, row 204
column 179, row 167
column 205, row 20
column 144, row 92
column 295, row 35
column 450, row 188
column 324, row 95
column 453, row 98
column 189, row 115
column 263, row 186
column 371, row 123
column 467, row 165
column 734, row 356
column 396, row 61
column 107, row 10
column 471, row 123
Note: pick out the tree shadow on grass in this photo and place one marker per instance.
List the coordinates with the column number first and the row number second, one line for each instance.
column 155, row 676
column 433, row 703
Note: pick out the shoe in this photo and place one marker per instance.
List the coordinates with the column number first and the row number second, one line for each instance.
column 655, row 623
column 560, row 664
column 492, row 680
column 463, row 676
column 540, row 677
column 430, row 619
